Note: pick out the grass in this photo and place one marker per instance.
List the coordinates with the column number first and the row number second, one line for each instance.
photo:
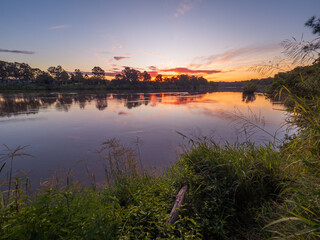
column 250, row 88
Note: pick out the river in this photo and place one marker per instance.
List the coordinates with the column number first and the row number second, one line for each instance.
column 64, row 131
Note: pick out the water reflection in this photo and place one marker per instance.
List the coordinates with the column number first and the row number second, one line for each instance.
column 248, row 97
column 63, row 128
column 15, row 104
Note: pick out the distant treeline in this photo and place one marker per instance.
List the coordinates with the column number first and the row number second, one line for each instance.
column 22, row 76
column 261, row 84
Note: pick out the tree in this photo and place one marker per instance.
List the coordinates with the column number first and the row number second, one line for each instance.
column 64, row 76
column 98, row 72
column 78, row 76
column 159, row 78
column 118, row 77
column 3, row 70
column 36, row 72
column 130, row 74
column 25, row 72
column 44, row 79
column 56, row 72
column 145, row 76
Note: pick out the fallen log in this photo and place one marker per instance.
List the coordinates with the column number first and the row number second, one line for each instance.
column 173, row 216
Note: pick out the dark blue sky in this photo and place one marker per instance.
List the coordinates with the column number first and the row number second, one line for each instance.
column 167, row 36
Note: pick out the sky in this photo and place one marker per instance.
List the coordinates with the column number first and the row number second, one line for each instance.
column 220, row 40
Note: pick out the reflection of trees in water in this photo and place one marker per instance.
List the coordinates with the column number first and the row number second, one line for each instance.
column 248, row 97
column 132, row 100
column 15, row 104
column 82, row 100
column 101, row 102
column 10, row 106
column 64, row 102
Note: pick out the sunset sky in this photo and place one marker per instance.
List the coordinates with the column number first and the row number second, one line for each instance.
column 219, row 40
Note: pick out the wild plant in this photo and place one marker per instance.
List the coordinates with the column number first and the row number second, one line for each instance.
column 7, row 158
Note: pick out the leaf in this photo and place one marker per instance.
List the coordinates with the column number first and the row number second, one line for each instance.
column 312, row 223
column 2, row 166
column 282, row 220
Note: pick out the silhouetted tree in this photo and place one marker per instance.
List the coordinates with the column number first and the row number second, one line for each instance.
column 56, row 72
column 3, row 70
column 98, row 72
column 78, row 77
column 130, row 74
column 25, row 71
column 159, row 78
column 145, row 76
column 44, row 79
column 118, row 77
column 36, row 72
column 64, row 76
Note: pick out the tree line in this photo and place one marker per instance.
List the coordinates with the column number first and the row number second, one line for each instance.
column 128, row 78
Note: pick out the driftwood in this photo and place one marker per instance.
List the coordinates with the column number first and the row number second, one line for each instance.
column 173, row 216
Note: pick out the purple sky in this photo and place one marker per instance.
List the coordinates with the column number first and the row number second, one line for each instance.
column 220, row 40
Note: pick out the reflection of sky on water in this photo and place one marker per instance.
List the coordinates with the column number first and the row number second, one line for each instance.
column 62, row 129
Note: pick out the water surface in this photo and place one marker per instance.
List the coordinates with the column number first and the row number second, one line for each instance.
column 61, row 129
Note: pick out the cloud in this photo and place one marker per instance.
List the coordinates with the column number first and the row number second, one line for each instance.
column 233, row 54
column 153, row 68
column 185, row 6
column 16, row 51
column 182, row 70
column 115, row 47
column 118, row 58
column 153, row 54
column 59, row 27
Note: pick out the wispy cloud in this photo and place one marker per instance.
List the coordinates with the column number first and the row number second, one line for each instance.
column 59, row 27
column 185, row 6
column 234, row 54
column 153, row 68
column 153, row 71
column 118, row 58
column 16, row 51
column 152, row 54
column 182, row 70
column 115, row 47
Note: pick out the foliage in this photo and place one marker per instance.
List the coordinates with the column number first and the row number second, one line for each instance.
column 98, row 72
column 249, row 88
column 20, row 76
column 299, row 216
column 301, row 81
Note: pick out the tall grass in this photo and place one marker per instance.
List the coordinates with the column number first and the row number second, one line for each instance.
column 299, row 216
column 229, row 187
